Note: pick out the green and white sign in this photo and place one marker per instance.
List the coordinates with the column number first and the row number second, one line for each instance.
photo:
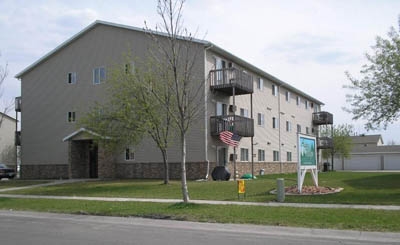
column 307, row 159
column 308, row 153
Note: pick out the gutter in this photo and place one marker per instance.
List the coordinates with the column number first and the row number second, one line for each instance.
column 206, row 112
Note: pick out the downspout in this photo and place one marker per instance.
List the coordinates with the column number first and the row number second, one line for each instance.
column 279, row 128
column 206, row 112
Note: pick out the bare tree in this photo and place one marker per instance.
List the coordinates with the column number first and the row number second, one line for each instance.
column 6, row 106
column 178, row 54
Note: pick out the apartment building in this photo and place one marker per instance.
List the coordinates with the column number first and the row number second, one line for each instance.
column 61, row 87
column 7, row 139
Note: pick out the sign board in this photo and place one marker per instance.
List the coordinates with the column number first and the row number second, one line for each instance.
column 241, row 187
column 307, row 159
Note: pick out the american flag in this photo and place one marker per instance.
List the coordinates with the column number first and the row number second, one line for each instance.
column 229, row 138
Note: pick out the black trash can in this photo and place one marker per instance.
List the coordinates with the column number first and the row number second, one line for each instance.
column 326, row 166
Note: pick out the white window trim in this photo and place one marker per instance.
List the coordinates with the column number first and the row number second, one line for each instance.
column 99, row 71
column 71, row 117
column 131, row 153
column 73, row 77
column 260, row 119
column 260, row 84
column 259, row 158
column 247, row 155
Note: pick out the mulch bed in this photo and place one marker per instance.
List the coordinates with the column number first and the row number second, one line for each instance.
column 312, row 190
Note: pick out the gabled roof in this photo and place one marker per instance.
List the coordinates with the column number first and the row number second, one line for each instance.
column 207, row 44
column 366, row 139
column 82, row 131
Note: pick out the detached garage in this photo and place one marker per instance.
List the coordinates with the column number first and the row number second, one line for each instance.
column 369, row 153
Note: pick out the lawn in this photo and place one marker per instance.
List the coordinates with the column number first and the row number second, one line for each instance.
column 364, row 220
column 359, row 188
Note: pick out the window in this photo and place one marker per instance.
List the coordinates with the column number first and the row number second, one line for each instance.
column 71, row 77
column 260, row 84
column 129, row 154
column 287, row 96
column 288, row 126
column 261, row 155
column 221, row 109
column 298, row 128
column 274, row 90
column 298, row 100
column 244, row 112
column 306, row 104
column 244, row 154
column 307, row 130
column 276, row 155
column 129, row 68
column 289, row 156
column 71, row 116
column 99, row 75
column 274, row 122
column 260, row 119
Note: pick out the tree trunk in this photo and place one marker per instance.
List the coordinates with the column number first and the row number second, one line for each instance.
column 185, row 192
column 166, row 167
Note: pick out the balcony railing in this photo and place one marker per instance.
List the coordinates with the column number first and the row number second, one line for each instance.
column 225, row 79
column 322, row 117
column 239, row 125
column 324, row 143
column 18, row 104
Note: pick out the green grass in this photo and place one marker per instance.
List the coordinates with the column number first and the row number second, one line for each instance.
column 359, row 188
column 365, row 220
column 4, row 184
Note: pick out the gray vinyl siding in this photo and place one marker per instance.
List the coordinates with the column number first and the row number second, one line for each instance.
column 47, row 97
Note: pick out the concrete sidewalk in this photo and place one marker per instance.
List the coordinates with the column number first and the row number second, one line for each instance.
column 211, row 202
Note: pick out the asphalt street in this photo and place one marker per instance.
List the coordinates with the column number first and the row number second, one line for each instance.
column 49, row 228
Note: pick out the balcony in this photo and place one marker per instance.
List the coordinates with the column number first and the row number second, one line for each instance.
column 17, row 138
column 239, row 125
column 224, row 80
column 324, row 143
column 18, row 104
column 322, row 118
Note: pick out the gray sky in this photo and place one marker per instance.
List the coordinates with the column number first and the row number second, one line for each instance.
column 308, row 44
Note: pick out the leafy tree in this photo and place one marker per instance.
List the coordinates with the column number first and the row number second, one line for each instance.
column 132, row 110
column 342, row 143
column 376, row 95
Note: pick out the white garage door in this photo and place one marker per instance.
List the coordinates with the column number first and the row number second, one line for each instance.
column 363, row 162
column 392, row 162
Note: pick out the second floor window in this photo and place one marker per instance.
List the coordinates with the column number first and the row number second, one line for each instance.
column 307, row 130
column 99, row 75
column 274, row 122
column 288, row 126
column 306, row 104
column 298, row 100
column 71, row 78
column 260, row 119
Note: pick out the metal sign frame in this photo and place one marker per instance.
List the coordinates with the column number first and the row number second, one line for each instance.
column 307, row 159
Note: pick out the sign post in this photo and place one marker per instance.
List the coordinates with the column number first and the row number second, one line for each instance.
column 241, row 188
column 307, row 159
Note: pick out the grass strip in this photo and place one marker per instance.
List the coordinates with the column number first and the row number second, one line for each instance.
column 359, row 188
column 363, row 220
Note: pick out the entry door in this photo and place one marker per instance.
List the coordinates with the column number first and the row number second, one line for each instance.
column 220, row 65
column 222, row 156
column 93, row 161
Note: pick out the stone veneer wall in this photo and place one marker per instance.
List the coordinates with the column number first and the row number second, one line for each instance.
column 50, row 171
column 194, row 170
column 105, row 164
column 269, row 167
